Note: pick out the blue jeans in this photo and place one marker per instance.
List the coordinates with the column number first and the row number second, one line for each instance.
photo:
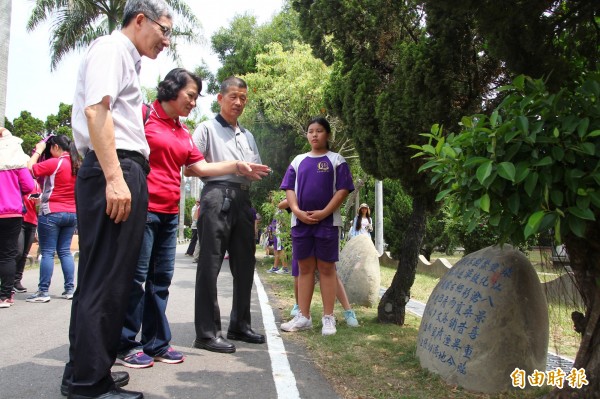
column 146, row 309
column 55, row 233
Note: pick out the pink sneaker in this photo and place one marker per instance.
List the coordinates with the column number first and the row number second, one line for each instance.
column 171, row 356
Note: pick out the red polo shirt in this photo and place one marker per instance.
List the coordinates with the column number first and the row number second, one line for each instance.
column 31, row 215
column 58, row 193
column 171, row 147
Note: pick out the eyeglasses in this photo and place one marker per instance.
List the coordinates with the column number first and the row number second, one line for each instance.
column 165, row 31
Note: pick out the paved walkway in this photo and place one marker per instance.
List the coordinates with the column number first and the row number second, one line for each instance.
column 34, row 348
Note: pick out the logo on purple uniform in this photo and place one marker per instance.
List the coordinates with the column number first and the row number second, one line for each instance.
column 323, row 166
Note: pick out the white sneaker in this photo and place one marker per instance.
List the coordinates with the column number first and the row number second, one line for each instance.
column 328, row 325
column 298, row 323
column 39, row 297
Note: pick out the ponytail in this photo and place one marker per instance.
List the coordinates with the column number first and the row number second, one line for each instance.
column 75, row 158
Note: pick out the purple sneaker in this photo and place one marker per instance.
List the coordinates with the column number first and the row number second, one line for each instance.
column 171, row 356
column 136, row 360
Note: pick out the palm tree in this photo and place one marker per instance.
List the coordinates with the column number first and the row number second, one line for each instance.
column 5, row 11
column 76, row 23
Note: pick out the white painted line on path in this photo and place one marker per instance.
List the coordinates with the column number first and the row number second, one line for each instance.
column 285, row 381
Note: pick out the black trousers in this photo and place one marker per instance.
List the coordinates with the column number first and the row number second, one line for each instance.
column 193, row 240
column 25, row 242
column 108, row 255
column 9, row 238
column 219, row 231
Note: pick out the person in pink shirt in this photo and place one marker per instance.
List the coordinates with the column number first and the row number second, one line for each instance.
column 57, row 219
column 15, row 181
column 171, row 148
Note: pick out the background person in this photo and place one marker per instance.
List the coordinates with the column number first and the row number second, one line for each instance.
column 194, row 239
column 171, row 147
column 15, row 181
column 196, row 253
column 362, row 223
column 112, row 194
column 226, row 224
column 280, row 265
column 57, row 219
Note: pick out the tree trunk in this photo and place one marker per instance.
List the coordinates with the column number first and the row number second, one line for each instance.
column 5, row 14
column 584, row 257
column 391, row 308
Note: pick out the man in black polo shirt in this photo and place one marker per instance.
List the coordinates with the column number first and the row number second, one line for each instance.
column 226, row 223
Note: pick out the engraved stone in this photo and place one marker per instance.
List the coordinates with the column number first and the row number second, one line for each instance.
column 487, row 316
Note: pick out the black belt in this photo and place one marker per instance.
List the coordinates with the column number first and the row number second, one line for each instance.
column 135, row 157
column 230, row 184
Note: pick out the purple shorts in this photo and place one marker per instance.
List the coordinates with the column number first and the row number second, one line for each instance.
column 322, row 242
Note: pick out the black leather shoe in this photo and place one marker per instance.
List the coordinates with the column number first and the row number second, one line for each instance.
column 215, row 344
column 116, row 393
column 247, row 336
column 121, row 378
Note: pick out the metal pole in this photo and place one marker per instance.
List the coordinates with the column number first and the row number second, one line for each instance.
column 5, row 11
column 379, row 216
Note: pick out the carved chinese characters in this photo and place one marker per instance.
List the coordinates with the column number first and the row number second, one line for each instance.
column 486, row 316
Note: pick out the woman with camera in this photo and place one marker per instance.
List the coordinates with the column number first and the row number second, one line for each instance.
column 57, row 219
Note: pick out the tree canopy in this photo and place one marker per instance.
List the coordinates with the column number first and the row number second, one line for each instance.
column 530, row 165
column 32, row 129
column 397, row 67
column 238, row 45
column 76, row 23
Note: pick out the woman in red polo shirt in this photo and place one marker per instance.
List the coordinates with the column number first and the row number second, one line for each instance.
column 171, row 147
column 56, row 220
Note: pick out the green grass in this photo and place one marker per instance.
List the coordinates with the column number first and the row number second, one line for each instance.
column 375, row 360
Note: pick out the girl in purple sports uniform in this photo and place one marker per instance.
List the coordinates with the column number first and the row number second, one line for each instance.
column 316, row 185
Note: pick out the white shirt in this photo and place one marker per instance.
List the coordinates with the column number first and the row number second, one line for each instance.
column 111, row 68
column 365, row 227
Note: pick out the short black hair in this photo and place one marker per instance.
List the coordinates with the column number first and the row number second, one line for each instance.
column 232, row 81
column 176, row 80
